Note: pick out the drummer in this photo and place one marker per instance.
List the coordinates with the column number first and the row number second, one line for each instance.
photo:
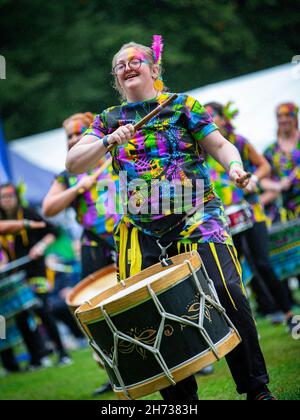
column 33, row 243
column 81, row 192
column 256, row 237
column 284, row 158
column 168, row 148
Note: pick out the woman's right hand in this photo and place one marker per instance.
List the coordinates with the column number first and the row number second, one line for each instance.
column 122, row 135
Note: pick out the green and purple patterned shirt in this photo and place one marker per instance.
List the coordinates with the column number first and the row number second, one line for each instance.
column 225, row 188
column 167, row 148
column 286, row 165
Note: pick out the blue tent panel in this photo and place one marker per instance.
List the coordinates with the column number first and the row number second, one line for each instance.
column 37, row 180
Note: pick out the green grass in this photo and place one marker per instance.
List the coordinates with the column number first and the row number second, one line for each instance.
column 78, row 381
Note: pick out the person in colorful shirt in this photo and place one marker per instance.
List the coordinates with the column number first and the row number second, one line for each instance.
column 284, row 158
column 86, row 195
column 33, row 243
column 169, row 147
column 94, row 210
column 281, row 192
column 253, row 242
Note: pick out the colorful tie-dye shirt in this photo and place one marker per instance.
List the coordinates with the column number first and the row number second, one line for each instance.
column 225, row 188
column 286, row 165
column 95, row 212
column 167, row 148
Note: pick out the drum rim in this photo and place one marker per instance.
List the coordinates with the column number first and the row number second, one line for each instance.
column 237, row 208
column 182, row 371
column 90, row 312
column 279, row 226
column 90, row 279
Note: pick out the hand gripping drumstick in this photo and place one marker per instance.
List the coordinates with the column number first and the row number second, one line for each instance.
column 98, row 173
column 149, row 116
column 243, row 178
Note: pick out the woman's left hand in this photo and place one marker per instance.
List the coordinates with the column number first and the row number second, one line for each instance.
column 236, row 174
column 38, row 250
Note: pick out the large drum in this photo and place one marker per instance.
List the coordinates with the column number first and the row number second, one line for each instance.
column 159, row 327
column 15, row 295
column 285, row 248
column 239, row 217
column 91, row 286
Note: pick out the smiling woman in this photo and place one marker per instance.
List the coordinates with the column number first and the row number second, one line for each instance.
column 132, row 66
column 170, row 147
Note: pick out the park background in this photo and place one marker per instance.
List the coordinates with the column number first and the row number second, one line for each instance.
column 58, row 57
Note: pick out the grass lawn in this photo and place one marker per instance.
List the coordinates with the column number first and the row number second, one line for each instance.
column 78, row 381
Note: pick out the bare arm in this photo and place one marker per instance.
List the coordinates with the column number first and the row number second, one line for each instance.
column 14, row 226
column 263, row 167
column 85, row 154
column 268, row 197
column 225, row 153
column 59, row 198
column 89, row 150
column 38, row 250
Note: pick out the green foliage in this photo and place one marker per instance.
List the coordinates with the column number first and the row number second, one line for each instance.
column 59, row 54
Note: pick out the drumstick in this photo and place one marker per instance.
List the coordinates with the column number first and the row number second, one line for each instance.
column 98, row 173
column 16, row 264
column 149, row 116
column 244, row 178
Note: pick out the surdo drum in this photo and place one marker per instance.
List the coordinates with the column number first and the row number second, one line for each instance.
column 15, row 295
column 91, row 286
column 159, row 327
column 239, row 218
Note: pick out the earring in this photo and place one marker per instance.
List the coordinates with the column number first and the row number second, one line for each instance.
column 158, row 85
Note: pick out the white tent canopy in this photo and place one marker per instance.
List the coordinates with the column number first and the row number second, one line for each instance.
column 255, row 95
column 47, row 150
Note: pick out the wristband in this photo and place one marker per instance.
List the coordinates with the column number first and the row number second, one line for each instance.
column 26, row 224
column 235, row 161
column 105, row 142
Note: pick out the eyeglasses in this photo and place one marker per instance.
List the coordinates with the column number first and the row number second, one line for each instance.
column 285, row 114
column 134, row 64
column 7, row 195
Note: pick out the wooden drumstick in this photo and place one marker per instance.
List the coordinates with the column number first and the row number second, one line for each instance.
column 98, row 173
column 149, row 116
column 244, row 178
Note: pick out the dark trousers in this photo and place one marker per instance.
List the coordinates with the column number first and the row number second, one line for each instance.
column 246, row 361
column 254, row 244
column 62, row 313
column 94, row 258
column 32, row 339
column 43, row 310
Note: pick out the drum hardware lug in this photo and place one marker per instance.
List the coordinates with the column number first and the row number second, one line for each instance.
column 164, row 258
column 166, row 262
